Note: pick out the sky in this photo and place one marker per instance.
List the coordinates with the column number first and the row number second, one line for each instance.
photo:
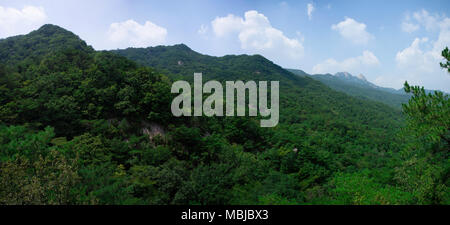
column 386, row 41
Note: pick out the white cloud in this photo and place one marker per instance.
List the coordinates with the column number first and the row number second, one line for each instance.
column 310, row 9
column 353, row 31
column 420, row 57
column 256, row 35
column 409, row 27
column 413, row 56
column 352, row 65
column 413, row 22
column 226, row 25
column 425, row 19
column 132, row 34
column 444, row 36
column 14, row 21
column 419, row 62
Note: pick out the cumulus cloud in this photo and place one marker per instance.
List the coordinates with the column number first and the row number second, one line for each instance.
column 409, row 27
column 424, row 18
column 132, row 34
column 226, row 25
column 310, row 9
column 352, row 30
column 413, row 22
column 256, row 35
column 444, row 36
column 413, row 56
column 418, row 56
column 353, row 65
column 419, row 62
column 20, row 21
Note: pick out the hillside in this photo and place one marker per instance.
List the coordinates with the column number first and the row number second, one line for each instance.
column 79, row 126
column 301, row 97
column 33, row 47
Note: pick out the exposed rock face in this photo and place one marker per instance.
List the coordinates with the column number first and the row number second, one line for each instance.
column 362, row 77
column 343, row 74
column 152, row 130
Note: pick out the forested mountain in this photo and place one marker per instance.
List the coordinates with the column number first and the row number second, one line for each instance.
column 79, row 126
column 300, row 97
column 33, row 47
column 360, row 87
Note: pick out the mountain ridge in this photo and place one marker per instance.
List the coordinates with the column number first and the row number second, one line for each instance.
column 361, row 88
column 296, row 92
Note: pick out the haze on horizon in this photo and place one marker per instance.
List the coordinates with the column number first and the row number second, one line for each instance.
column 389, row 42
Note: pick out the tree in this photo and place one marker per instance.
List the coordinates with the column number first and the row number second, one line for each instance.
column 446, row 55
column 47, row 180
column 425, row 169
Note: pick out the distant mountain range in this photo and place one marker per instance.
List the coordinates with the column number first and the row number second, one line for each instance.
column 360, row 87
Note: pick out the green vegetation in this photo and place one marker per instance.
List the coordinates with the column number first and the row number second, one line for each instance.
column 446, row 55
column 79, row 126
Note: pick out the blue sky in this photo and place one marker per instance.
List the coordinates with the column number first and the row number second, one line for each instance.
column 387, row 41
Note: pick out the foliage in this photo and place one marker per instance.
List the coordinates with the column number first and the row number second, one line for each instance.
column 446, row 55
column 78, row 126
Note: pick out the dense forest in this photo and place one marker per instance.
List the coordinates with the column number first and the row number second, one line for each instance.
column 79, row 126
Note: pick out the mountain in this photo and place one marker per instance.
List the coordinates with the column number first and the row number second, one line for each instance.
column 31, row 48
column 301, row 97
column 79, row 126
column 358, row 86
column 360, row 79
column 50, row 77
